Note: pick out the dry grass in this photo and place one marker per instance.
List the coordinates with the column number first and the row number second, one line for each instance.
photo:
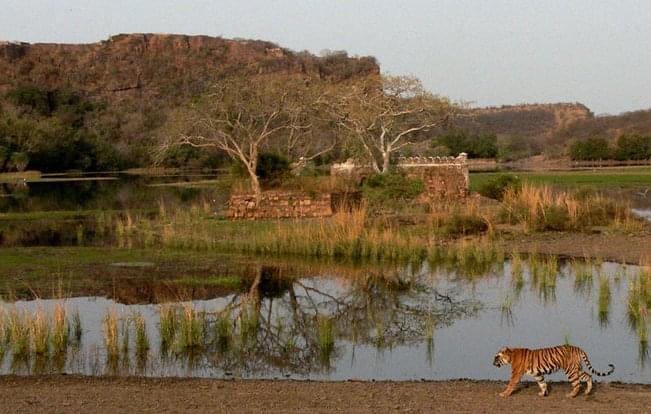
column 539, row 208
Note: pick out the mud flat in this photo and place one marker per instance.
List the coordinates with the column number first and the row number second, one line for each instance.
column 63, row 394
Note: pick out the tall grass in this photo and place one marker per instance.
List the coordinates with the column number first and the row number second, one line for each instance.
column 604, row 300
column 249, row 323
column 77, row 330
column 224, row 331
column 583, row 275
column 39, row 331
column 544, row 273
column 470, row 258
column 191, row 329
column 142, row 339
column 168, row 326
column 111, row 334
column 517, row 274
column 60, row 330
column 639, row 300
column 326, row 339
column 540, row 208
column 19, row 333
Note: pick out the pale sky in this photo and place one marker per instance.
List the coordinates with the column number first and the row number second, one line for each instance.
column 488, row 52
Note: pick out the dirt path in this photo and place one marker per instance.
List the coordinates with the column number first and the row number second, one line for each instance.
column 71, row 394
column 632, row 249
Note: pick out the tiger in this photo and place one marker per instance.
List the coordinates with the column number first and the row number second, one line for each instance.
column 544, row 361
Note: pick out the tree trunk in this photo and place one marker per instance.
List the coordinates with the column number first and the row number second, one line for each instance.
column 255, row 187
column 386, row 161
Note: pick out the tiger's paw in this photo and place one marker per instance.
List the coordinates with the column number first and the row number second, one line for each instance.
column 543, row 393
column 505, row 394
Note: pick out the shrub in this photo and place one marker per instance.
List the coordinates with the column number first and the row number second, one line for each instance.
column 465, row 224
column 4, row 156
column 476, row 146
column 271, row 166
column 590, row 149
column 18, row 161
column 496, row 187
column 633, row 147
column 392, row 187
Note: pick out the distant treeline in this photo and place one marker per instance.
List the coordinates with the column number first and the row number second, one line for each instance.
column 59, row 130
column 627, row 147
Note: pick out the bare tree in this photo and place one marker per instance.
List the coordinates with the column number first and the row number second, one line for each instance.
column 241, row 116
column 382, row 114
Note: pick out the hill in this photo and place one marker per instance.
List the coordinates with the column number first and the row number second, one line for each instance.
column 111, row 95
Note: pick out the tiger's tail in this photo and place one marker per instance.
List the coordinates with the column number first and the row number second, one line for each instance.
column 589, row 365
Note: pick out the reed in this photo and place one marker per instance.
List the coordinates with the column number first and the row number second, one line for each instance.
column 326, row 338
column 60, row 330
column 506, row 308
column 77, row 331
column 249, row 323
column 142, row 339
column 583, row 275
column 39, row 331
column 19, row 333
column 639, row 299
column 111, row 336
column 168, row 325
column 124, row 329
column 191, row 328
column 544, row 273
column 540, row 208
column 604, row 300
column 224, row 331
column 517, row 273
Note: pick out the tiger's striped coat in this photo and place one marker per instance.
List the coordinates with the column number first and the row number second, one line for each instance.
column 544, row 361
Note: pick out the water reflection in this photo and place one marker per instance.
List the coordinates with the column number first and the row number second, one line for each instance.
column 403, row 323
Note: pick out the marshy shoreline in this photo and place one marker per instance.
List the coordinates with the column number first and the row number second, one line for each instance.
column 67, row 393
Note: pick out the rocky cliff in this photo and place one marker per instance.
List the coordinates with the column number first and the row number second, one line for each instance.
column 540, row 121
column 160, row 66
column 104, row 103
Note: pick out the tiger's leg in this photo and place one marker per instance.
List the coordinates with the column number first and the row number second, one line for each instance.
column 585, row 377
column 573, row 376
column 512, row 385
column 542, row 384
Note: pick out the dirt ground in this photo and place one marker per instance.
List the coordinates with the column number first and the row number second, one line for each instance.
column 631, row 249
column 72, row 394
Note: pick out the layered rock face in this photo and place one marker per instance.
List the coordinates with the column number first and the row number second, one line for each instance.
column 160, row 66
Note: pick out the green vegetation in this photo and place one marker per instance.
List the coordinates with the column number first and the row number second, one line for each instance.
column 633, row 147
column 604, row 300
column 111, row 334
column 232, row 282
column 326, row 339
column 456, row 142
column 629, row 147
column 539, row 208
column 497, row 186
column 391, row 189
column 590, row 149
column 142, row 339
column 603, row 178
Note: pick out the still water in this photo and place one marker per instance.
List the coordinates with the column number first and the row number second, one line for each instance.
column 412, row 322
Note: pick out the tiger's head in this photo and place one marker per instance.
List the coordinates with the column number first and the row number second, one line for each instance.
column 502, row 357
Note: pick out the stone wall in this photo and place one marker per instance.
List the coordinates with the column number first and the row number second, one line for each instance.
column 280, row 204
column 444, row 177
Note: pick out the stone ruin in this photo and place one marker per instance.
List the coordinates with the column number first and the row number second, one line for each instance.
column 444, row 177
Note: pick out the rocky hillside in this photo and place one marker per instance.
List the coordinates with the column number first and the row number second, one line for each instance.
column 159, row 66
column 108, row 98
column 538, row 121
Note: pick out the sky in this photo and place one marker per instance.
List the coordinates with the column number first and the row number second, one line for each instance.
column 481, row 52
